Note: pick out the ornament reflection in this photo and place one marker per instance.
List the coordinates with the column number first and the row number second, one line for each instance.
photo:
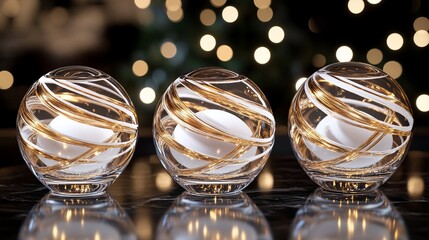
column 213, row 217
column 77, row 218
column 328, row 215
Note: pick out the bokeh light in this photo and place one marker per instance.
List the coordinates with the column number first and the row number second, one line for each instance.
column 374, row 56
column 319, row 60
column 415, row 186
column 395, row 41
column 422, row 103
column 142, row 4
column 344, row 54
column 11, row 8
column 356, row 6
column 168, row 50
column 207, row 17
column 393, row 68
column 261, row 4
column 176, row 15
column 163, row 181
column 265, row 14
column 207, row 42
column 6, row 80
column 421, row 23
column 230, row 14
column 276, row 34
column 140, row 68
column 218, row 3
column 374, row 1
column 173, row 5
column 224, row 53
column 147, row 95
column 262, row 55
column 421, row 38
column 265, row 181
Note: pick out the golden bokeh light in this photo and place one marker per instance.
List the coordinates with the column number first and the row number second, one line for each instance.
column 299, row 82
column 175, row 16
column 142, row 4
column 261, row 4
column 374, row 56
column 395, row 41
column 173, row 5
column 319, row 60
column 415, row 186
column 373, row 1
column 422, row 103
column 207, row 17
column 344, row 54
column 59, row 16
column 140, row 68
column 421, row 23
column 264, row 14
column 147, row 95
column 276, row 34
column 421, row 38
column 393, row 68
column 265, row 181
column 218, row 3
column 163, row 181
column 6, row 80
column 224, row 53
column 262, row 55
column 230, row 14
column 356, row 6
column 168, row 50
column 207, row 42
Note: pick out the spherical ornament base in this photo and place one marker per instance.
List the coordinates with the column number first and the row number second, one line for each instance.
column 214, row 131
column 350, row 125
column 77, row 130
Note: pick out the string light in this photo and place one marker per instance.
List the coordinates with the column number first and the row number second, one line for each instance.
column 147, row 95
column 421, row 38
column 344, row 54
column 393, row 68
column 262, row 55
column 207, row 42
column 168, row 50
column 374, row 56
column 395, row 41
column 142, row 4
column 264, row 14
column 276, row 34
column 6, row 80
column 230, row 14
column 356, row 6
column 422, row 103
column 224, row 53
column 319, row 60
column 140, row 68
column 207, row 17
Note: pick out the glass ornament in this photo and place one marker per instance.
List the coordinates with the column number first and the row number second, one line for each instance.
column 58, row 217
column 350, row 125
column 329, row 215
column 213, row 130
column 77, row 130
column 213, row 217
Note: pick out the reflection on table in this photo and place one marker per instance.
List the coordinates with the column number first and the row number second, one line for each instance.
column 226, row 217
column 74, row 218
column 329, row 215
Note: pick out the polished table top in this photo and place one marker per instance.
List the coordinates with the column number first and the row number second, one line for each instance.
column 282, row 203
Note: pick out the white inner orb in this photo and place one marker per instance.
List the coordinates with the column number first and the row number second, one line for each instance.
column 203, row 144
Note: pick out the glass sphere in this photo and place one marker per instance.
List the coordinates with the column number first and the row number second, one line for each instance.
column 350, row 125
column 58, row 217
column 213, row 131
column 213, row 217
column 77, row 130
column 328, row 215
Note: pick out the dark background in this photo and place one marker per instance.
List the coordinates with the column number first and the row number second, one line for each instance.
column 39, row 36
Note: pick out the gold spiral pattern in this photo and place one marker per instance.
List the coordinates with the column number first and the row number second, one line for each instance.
column 207, row 89
column 350, row 121
column 85, row 98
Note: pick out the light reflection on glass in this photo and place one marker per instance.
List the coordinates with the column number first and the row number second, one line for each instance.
column 74, row 218
column 328, row 215
column 202, row 217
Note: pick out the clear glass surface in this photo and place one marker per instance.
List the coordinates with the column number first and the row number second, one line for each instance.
column 77, row 130
column 328, row 215
column 213, row 130
column 213, row 217
column 350, row 125
column 57, row 217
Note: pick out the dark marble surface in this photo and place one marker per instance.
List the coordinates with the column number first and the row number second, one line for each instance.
column 282, row 203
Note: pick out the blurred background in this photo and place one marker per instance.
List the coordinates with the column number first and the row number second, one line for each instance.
column 147, row 44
